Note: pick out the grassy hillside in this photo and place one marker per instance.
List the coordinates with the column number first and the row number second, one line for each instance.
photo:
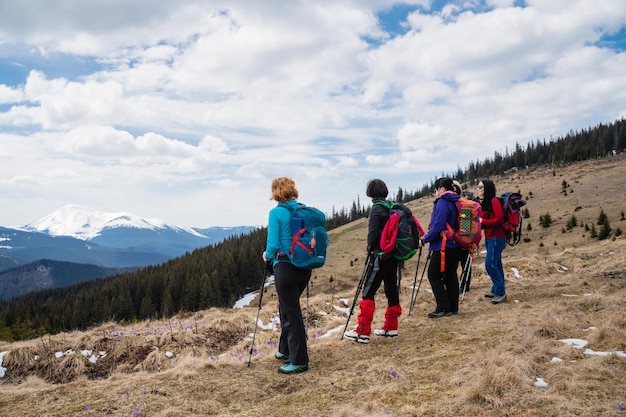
column 484, row 362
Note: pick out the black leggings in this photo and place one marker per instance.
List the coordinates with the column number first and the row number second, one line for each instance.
column 445, row 284
column 387, row 274
column 290, row 283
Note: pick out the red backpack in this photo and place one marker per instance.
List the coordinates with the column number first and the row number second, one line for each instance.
column 511, row 203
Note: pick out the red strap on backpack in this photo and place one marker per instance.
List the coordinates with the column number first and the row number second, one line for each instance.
column 295, row 241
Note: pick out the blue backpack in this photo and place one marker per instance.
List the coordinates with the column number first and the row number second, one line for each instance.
column 310, row 240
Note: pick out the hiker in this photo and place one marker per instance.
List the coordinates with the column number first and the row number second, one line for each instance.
column 443, row 276
column 465, row 253
column 386, row 274
column 495, row 238
column 290, row 281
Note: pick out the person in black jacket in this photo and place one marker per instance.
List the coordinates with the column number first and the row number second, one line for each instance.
column 381, row 270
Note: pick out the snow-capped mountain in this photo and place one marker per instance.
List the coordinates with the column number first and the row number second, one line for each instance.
column 85, row 224
column 82, row 235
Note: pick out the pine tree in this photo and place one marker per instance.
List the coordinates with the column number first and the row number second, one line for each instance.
column 545, row 220
column 605, row 230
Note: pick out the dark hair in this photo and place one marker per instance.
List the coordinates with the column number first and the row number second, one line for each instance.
column 488, row 194
column 469, row 195
column 376, row 188
column 444, row 182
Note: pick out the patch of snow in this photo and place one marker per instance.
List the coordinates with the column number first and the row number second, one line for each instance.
column 248, row 298
column 540, row 383
column 556, row 360
column 269, row 326
column 245, row 300
column 594, row 353
column 2, row 370
column 344, row 310
column 577, row 343
column 580, row 343
column 332, row 331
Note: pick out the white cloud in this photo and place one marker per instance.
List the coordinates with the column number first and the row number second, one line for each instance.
column 9, row 95
column 175, row 109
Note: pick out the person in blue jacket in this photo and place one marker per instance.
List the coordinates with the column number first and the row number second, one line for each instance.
column 442, row 270
column 290, row 281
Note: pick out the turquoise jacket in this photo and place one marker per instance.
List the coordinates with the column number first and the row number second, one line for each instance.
column 279, row 231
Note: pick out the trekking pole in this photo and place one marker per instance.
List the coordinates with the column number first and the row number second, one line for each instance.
column 420, row 283
column 419, row 258
column 400, row 266
column 465, row 274
column 358, row 290
column 306, row 323
column 256, row 323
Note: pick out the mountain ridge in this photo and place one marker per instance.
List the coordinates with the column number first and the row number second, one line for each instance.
column 109, row 240
column 85, row 223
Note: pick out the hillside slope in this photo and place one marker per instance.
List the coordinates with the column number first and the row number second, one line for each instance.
column 487, row 361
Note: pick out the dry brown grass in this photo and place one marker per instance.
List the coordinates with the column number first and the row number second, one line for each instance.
column 482, row 363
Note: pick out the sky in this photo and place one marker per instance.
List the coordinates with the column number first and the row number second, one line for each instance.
column 186, row 110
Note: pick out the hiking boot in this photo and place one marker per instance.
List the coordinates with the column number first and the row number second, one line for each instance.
column 293, row 369
column 386, row 333
column 282, row 357
column 490, row 295
column 499, row 299
column 438, row 314
column 360, row 338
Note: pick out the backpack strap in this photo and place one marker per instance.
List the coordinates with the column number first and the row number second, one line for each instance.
column 444, row 240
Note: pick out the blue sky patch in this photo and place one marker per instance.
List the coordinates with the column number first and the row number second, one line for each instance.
column 393, row 21
column 615, row 41
column 15, row 70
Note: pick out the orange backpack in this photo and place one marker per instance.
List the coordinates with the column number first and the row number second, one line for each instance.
column 468, row 231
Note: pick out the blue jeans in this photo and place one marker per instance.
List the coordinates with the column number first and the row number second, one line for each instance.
column 493, row 263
